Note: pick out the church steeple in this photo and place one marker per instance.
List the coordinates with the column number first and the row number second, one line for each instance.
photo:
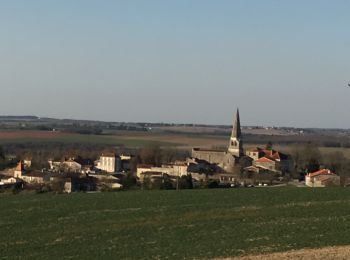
column 236, row 144
column 236, row 131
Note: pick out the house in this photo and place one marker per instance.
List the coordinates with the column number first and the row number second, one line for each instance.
column 227, row 178
column 254, row 169
column 77, row 165
column 176, row 169
column 107, row 180
column 108, row 162
column 270, row 160
column 33, row 177
column 29, row 177
column 72, row 182
column 71, row 165
column 54, row 165
column 27, row 163
column 8, row 180
column 322, row 178
column 150, row 175
column 19, row 170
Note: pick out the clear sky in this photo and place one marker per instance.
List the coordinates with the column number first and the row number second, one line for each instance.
column 283, row 63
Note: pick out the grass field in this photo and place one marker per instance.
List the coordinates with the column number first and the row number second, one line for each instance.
column 172, row 224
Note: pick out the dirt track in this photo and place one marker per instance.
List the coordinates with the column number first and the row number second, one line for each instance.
column 333, row 253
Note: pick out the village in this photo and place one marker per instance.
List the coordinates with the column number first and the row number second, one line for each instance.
column 205, row 168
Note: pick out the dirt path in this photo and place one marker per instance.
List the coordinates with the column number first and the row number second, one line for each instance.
column 333, row 253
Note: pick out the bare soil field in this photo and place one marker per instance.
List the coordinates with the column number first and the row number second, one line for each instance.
column 184, row 141
column 8, row 135
column 334, row 253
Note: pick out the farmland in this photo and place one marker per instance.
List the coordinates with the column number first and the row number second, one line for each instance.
column 141, row 139
column 122, row 138
column 172, row 224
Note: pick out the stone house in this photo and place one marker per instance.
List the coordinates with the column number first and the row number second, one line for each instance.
column 71, row 165
column 33, row 177
column 8, row 180
column 322, row 178
column 176, row 169
column 270, row 160
column 77, row 165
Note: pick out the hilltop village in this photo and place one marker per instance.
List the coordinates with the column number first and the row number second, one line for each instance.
column 235, row 166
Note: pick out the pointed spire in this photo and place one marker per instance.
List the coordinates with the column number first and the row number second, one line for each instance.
column 236, row 131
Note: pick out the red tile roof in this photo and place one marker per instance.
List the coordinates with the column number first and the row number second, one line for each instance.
column 272, row 154
column 320, row 172
column 264, row 160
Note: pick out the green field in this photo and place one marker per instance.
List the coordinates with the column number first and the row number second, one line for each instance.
column 172, row 224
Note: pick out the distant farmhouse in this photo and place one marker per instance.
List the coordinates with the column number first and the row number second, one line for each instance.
column 322, row 178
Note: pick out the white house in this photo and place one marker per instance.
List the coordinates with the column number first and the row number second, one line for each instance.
column 107, row 163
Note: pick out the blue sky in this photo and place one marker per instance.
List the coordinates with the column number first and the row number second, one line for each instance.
column 283, row 63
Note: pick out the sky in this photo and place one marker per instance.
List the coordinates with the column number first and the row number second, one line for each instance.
column 283, row 63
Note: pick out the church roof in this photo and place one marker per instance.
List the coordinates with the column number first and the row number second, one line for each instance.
column 264, row 160
column 236, row 131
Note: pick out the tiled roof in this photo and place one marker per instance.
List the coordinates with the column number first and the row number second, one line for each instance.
column 272, row 154
column 108, row 155
column 320, row 172
column 263, row 160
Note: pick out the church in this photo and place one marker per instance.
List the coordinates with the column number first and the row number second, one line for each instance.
column 226, row 160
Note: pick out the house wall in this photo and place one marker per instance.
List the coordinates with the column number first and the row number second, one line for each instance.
column 268, row 165
column 180, row 170
column 166, row 170
column 72, row 166
column 107, row 164
column 316, row 182
column 214, row 157
column 226, row 161
column 253, row 154
column 32, row 179
column 68, row 187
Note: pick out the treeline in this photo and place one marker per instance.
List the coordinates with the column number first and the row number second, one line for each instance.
column 41, row 153
column 308, row 158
